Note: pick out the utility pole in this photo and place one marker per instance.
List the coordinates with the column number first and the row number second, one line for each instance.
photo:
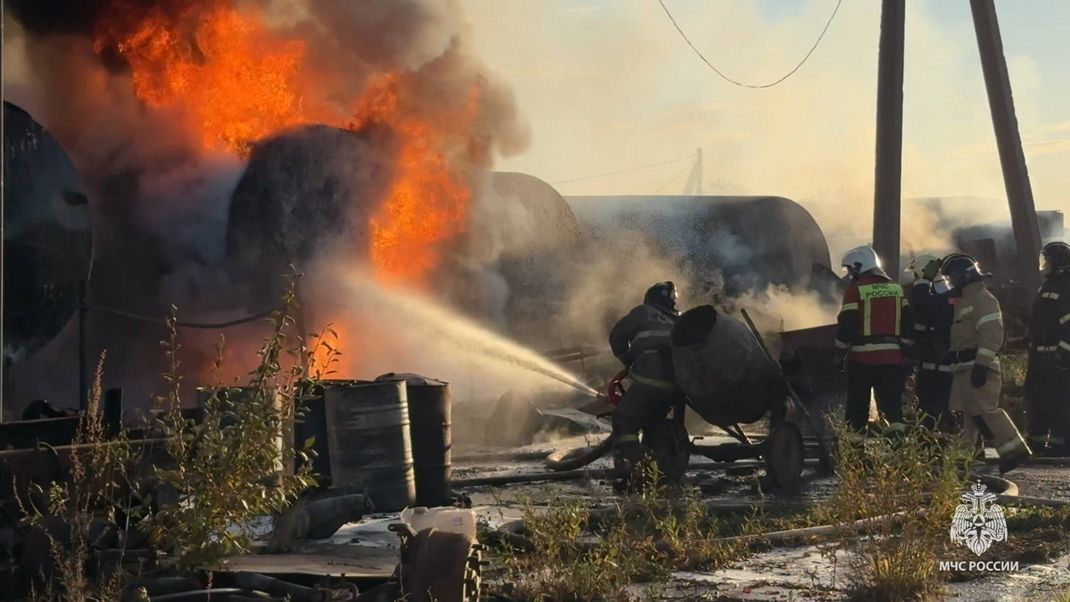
column 887, row 181
column 694, row 181
column 1008, row 140
column 698, row 170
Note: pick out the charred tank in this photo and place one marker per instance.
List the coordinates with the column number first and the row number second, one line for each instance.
column 746, row 241
column 47, row 235
column 305, row 191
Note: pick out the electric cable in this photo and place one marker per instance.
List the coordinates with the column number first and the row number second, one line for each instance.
column 622, row 171
column 728, row 79
column 674, row 178
column 181, row 324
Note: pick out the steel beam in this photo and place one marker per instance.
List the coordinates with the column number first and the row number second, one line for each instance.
column 887, row 181
column 1008, row 140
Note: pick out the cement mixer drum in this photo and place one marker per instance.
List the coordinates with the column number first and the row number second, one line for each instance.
column 721, row 368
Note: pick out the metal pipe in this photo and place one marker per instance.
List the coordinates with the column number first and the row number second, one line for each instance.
column 1008, row 140
column 83, row 377
column 887, row 181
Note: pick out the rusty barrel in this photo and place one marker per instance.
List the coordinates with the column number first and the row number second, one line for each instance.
column 721, row 368
column 429, row 429
column 368, row 441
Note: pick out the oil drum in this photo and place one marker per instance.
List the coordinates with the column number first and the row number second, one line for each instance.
column 369, row 443
column 429, row 429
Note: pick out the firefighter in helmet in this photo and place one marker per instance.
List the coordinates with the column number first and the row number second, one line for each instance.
column 641, row 341
column 932, row 334
column 976, row 339
column 871, row 338
column 1047, row 384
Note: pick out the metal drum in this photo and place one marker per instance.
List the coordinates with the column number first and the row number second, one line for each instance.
column 368, row 441
column 429, row 428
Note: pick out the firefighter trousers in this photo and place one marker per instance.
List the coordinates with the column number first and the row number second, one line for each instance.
column 1047, row 399
column 933, row 388
column 642, row 409
column 982, row 414
column 885, row 382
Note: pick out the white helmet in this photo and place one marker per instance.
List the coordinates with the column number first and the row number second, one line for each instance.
column 924, row 266
column 860, row 260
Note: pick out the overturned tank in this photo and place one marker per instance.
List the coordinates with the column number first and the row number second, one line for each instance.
column 47, row 235
column 748, row 241
column 722, row 369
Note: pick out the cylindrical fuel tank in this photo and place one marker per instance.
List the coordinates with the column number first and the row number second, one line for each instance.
column 429, row 429
column 721, row 368
column 534, row 233
column 369, row 442
column 749, row 240
column 304, row 191
column 47, row 237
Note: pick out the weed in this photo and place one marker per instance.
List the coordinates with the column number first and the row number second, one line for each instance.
column 913, row 485
column 79, row 516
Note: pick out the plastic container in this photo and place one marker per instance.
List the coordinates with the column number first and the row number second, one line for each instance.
column 451, row 520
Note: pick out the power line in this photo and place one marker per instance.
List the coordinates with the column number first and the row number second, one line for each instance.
column 623, row 171
column 673, row 179
column 743, row 84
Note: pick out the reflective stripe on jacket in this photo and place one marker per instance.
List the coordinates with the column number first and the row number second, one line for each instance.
column 642, row 342
column 977, row 332
column 873, row 319
column 1049, row 327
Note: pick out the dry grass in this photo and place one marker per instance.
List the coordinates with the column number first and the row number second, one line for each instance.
column 79, row 513
column 917, row 478
column 642, row 540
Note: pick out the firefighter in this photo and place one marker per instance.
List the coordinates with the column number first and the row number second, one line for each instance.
column 870, row 336
column 932, row 334
column 1047, row 383
column 976, row 338
column 641, row 341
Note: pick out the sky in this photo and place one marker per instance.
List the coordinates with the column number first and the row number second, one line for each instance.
column 608, row 85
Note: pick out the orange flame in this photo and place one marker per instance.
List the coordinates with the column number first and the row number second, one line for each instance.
column 427, row 206
column 236, row 81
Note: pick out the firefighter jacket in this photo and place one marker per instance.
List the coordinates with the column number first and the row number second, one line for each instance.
column 933, row 314
column 1049, row 327
column 873, row 319
column 641, row 341
column 977, row 330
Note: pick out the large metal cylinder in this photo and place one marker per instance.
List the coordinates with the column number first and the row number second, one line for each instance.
column 47, row 238
column 750, row 241
column 721, row 368
column 429, row 429
column 369, row 442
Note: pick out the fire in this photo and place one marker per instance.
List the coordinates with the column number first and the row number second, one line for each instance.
column 427, row 206
column 236, row 81
column 222, row 67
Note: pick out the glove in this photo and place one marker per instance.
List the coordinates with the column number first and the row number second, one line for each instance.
column 978, row 376
column 909, row 366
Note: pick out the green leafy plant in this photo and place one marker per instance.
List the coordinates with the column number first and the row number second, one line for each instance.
column 234, row 464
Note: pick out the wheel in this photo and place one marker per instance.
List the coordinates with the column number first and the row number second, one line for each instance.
column 784, row 456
